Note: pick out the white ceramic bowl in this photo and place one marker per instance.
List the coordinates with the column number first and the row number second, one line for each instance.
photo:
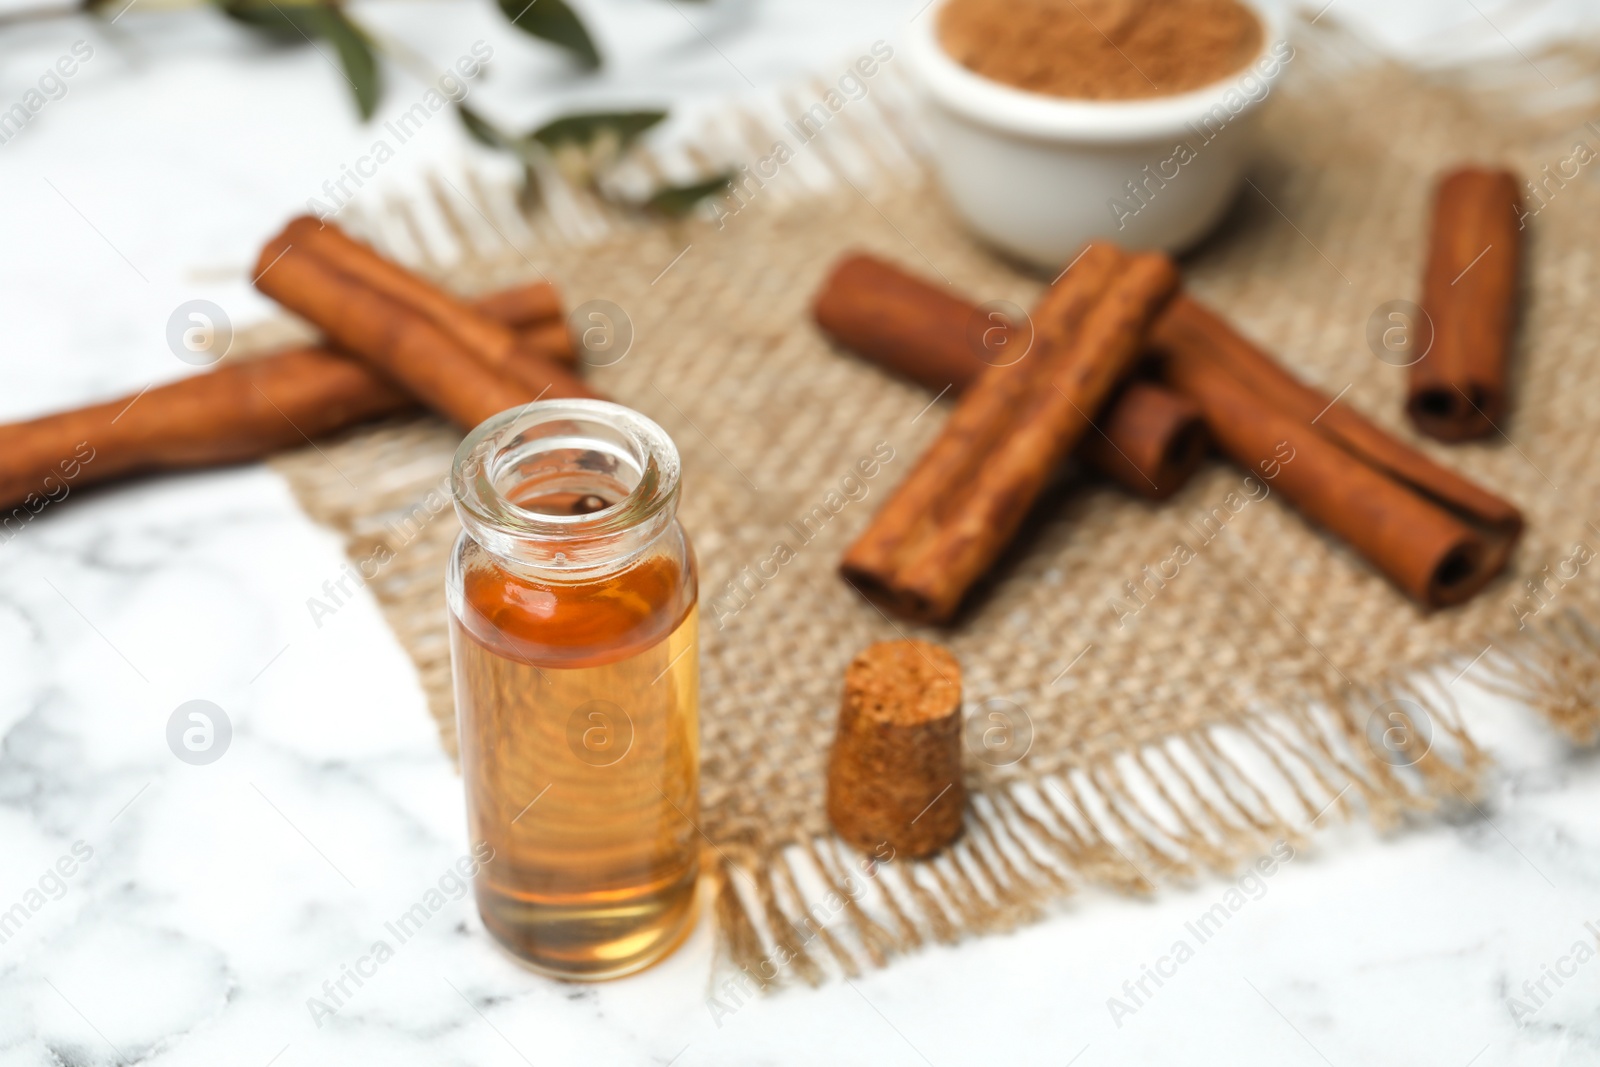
column 1039, row 175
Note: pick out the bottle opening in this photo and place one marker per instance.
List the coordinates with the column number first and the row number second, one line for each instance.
column 566, row 484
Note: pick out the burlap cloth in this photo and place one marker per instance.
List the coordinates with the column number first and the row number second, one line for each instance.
column 1231, row 708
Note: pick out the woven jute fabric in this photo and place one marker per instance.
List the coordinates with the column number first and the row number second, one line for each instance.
column 1120, row 733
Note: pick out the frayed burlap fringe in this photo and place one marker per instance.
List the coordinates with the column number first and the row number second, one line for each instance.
column 1206, row 802
column 1180, row 726
column 1555, row 668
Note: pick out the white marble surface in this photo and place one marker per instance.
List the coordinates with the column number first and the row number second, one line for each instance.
column 215, row 900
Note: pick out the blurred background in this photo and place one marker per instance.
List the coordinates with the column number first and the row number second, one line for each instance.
column 189, row 137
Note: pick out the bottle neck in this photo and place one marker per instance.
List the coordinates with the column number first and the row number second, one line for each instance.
column 566, row 490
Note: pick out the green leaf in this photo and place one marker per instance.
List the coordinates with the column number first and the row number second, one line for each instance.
column 553, row 21
column 676, row 201
column 587, row 127
column 289, row 20
column 481, row 129
column 355, row 55
column 280, row 21
column 526, row 149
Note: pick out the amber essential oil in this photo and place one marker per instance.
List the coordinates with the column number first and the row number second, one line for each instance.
column 573, row 644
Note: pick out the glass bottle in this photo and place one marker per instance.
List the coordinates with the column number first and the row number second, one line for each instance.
column 572, row 599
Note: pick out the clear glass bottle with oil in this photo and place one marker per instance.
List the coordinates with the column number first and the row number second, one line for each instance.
column 572, row 601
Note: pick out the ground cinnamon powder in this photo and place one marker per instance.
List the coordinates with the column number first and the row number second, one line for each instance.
column 1101, row 49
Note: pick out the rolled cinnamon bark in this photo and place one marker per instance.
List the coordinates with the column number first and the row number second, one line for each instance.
column 894, row 772
column 1428, row 553
column 522, row 306
column 403, row 343
column 545, row 339
column 1149, row 442
column 1469, row 291
column 242, row 410
column 1437, row 536
column 245, row 409
column 534, row 313
column 914, row 328
column 491, row 342
column 948, row 521
column 1188, row 326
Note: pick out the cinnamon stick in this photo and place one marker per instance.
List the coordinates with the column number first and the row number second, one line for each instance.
column 1150, row 440
column 489, row 341
column 1436, row 535
column 946, row 524
column 914, row 328
column 1469, row 291
column 522, row 306
column 404, row 343
column 244, row 409
column 534, row 313
column 545, row 339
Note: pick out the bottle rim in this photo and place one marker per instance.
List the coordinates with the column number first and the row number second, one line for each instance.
column 634, row 444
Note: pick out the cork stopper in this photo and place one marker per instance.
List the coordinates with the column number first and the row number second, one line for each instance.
column 894, row 775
